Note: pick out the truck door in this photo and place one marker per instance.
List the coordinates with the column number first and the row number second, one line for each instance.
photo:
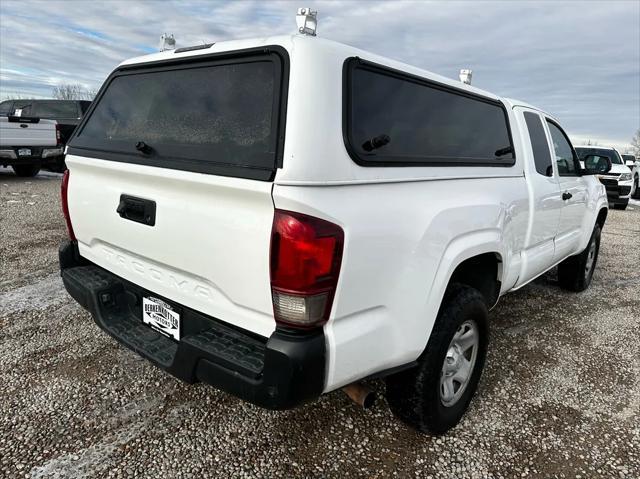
column 545, row 206
column 573, row 192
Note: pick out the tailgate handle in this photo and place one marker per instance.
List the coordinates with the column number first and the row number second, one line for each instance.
column 137, row 209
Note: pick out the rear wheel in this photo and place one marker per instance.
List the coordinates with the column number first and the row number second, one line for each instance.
column 26, row 170
column 620, row 206
column 433, row 396
column 575, row 273
column 59, row 167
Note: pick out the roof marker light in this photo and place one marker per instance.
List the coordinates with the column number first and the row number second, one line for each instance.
column 465, row 76
column 307, row 21
column 167, row 42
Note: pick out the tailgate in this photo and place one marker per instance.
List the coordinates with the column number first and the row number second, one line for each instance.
column 16, row 133
column 193, row 143
column 208, row 249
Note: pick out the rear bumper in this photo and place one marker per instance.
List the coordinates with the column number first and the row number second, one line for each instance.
column 8, row 154
column 39, row 155
column 280, row 372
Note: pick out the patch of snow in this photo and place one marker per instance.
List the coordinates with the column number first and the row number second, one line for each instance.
column 39, row 295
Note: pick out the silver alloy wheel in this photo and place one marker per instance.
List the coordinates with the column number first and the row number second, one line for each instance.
column 591, row 257
column 459, row 363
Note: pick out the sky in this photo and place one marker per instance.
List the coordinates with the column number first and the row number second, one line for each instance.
column 578, row 60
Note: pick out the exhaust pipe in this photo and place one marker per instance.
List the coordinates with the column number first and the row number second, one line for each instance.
column 361, row 395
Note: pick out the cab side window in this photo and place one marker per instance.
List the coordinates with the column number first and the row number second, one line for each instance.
column 564, row 152
column 539, row 145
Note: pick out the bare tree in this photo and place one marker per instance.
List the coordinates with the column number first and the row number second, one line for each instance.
column 635, row 143
column 72, row 91
column 12, row 96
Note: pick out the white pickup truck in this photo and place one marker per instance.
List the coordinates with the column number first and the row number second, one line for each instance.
column 619, row 179
column 26, row 144
column 634, row 165
column 287, row 216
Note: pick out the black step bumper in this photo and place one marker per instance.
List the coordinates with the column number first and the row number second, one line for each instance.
column 280, row 372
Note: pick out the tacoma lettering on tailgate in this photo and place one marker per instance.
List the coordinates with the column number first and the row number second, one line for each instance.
column 172, row 280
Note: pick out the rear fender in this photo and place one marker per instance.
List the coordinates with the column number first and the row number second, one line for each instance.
column 462, row 248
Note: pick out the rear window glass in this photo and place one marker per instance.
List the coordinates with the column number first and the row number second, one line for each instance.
column 55, row 109
column 202, row 117
column 24, row 105
column 395, row 119
column 6, row 107
column 84, row 106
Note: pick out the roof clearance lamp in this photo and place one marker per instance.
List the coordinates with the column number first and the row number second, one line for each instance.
column 307, row 21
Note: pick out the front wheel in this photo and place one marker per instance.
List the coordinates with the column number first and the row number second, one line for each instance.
column 620, row 206
column 636, row 188
column 433, row 396
column 26, row 170
column 575, row 272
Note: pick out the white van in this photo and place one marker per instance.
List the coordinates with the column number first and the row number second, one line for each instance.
column 283, row 217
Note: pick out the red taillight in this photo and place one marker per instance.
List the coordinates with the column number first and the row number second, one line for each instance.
column 65, row 204
column 58, row 135
column 306, row 253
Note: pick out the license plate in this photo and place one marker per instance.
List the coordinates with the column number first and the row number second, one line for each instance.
column 24, row 152
column 161, row 317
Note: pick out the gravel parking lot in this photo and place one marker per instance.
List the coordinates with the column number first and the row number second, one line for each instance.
column 560, row 396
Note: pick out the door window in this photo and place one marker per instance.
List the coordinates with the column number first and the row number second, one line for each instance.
column 565, row 157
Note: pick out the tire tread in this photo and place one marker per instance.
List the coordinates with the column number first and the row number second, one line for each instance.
column 411, row 395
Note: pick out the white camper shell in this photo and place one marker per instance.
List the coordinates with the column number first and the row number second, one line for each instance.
column 282, row 217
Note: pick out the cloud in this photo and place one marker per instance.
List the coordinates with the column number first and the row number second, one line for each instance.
column 579, row 61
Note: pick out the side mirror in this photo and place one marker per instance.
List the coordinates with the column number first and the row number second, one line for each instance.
column 596, row 165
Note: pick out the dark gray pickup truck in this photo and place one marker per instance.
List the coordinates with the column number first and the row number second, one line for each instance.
column 67, row 114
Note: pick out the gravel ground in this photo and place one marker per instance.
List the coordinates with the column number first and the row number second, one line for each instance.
column 560, row 396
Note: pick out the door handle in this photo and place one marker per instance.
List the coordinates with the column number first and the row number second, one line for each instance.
column 135, row 209
column 566, row 195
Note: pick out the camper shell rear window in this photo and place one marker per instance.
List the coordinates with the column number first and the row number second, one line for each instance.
column 219, row 114
column 392, row 118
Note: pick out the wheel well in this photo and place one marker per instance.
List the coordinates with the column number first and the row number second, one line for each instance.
column 602, row 217
column 482, row 273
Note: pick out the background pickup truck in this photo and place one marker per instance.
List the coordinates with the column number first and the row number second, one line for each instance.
column 26, row 144
column 619, row 179
column 634, row 165
column 368, row 239
column 67, row 113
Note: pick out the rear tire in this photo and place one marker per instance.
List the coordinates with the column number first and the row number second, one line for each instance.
column 59, row 167
column 26, row 170
column 575, row 273
column 425, row 397
column 620, row 206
